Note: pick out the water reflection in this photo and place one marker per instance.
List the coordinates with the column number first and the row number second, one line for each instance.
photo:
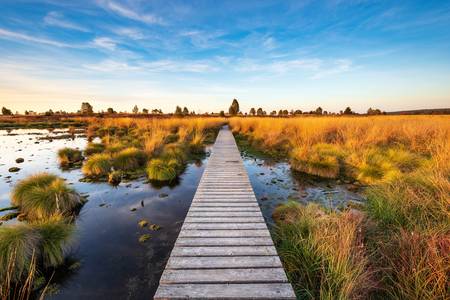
column 106, row 259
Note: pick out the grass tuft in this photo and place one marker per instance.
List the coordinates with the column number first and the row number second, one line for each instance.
column 98, row 165
column 69, row 156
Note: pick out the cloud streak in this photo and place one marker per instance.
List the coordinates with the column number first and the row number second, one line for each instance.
column 17, row 36
column 54, row 18
column 130, row 13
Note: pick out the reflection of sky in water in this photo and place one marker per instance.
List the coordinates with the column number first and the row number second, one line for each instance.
column 274, row 184
column 113, row 263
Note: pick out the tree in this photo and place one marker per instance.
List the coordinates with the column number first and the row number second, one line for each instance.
column 86, row 108
column 285, row 112
column 135, row 109
column 297, row 112
column 185, row 111
column 259, row 112
column 252, row 111
column 178, row 111
column 319, row 110
column 145, row 111
column 376, row 111
column 234, row 108
column 222, row 113
column 110, row 110
column 348, row 111
column 280, row 112
column 6, row 112
column 273, row 113
column 49, row 112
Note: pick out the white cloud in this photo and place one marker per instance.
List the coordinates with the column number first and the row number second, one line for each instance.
column 336, row 67
column 105, row 42
column 57, row 19
column 130, row 13
column 132, row 33
column 16, row 36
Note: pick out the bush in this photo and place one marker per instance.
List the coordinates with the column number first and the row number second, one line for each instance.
column 69, row 156
column 45, row 240
column 94, row 148
column 43, row 195
column 323, row 254
column 129, row 159
column 163, row 169
column 98, row 165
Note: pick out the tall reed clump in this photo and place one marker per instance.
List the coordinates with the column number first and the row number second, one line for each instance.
column 97, row 165
column 323, row 254
column 43, row 195
column 69, row 156
column 27, row 248
column 129, row 159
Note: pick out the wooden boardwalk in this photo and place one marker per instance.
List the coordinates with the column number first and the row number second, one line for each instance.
column 224, row 249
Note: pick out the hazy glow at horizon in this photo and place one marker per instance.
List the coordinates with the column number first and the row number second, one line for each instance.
column 269, row 54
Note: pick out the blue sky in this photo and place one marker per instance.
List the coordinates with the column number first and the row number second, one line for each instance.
column 271, row 54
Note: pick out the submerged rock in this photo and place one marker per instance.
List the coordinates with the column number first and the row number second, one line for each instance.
column 14, row 169
column 19, row 160
column 163, row 195
column 133, row 209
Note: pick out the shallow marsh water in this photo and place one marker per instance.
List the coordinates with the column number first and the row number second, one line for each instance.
column 106, row 260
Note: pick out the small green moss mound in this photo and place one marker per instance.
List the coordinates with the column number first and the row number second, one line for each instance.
column 163, row 169
column 175, row 151
column 69, row 156
column 129, row 159
column 94, row 148
column 115, row 177
column 43, row 195
column 98, row 165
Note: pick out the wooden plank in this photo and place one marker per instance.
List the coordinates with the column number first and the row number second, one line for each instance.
column 254, row 275
column 225, row 241
column 265, row 291
column 226, row 209
column 224, row 220
column 224, row 251
column 225, row 226
column 223, row 262
column 197, row 204
column 224, row 233
column 224, row 214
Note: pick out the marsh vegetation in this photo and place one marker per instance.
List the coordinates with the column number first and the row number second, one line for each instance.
column 397, row 245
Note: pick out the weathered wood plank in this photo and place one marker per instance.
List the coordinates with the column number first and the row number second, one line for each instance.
column 224, row 220
column 224, row 233
column 224, row 251
column 225, row 226
column 224, row 241
column 257, row 275
column 265, row 291
column 223, row 262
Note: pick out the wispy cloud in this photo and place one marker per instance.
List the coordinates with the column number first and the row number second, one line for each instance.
column 132, row 33
column 156, row 66
column 54, row 18
column 17, row 36
column 105, row 42
column 336, row 67
column 130, row 13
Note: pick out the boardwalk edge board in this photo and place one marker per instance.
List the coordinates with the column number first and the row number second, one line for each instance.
column 224, row 249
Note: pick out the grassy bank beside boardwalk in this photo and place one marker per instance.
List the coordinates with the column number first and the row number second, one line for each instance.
column 398, row 245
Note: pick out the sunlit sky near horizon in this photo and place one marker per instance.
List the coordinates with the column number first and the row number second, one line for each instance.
column 392, row 55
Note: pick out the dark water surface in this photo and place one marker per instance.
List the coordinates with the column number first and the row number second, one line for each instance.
column 106, row 260
column 112, row 262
